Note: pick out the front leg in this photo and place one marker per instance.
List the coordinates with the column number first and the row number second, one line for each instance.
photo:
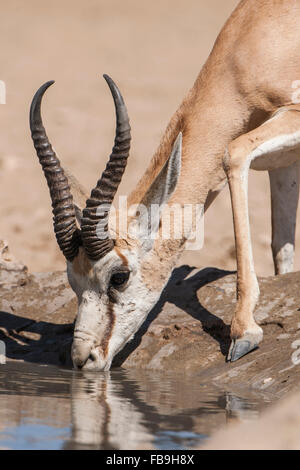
column 245, row 333
column 274, row 144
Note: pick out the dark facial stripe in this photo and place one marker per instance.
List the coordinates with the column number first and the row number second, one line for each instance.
column 109, row 328
column 111, row 314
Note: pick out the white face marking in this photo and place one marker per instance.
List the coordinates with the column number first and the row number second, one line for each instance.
column 108, row 317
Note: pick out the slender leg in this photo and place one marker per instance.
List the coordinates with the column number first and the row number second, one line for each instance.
column 245, row 333
column 284, row 184
column 265, row 147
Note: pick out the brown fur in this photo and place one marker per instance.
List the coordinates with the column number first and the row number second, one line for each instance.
column 123, row 257
column 81, row 264
column 247, row 76
column 109, row 328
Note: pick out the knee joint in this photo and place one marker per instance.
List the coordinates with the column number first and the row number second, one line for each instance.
column 233, row 160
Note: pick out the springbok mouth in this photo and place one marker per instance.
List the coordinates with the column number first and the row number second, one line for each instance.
column 91, row 365
column 88, row 357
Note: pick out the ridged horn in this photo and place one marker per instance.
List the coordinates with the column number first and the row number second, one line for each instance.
column 94, row 226
column 67, row 234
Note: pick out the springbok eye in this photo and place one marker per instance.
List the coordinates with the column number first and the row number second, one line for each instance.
column 119, row 279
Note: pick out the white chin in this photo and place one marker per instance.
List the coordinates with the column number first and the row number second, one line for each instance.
column 98, row 363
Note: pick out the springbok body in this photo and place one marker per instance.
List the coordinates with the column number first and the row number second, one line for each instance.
column 239, row 114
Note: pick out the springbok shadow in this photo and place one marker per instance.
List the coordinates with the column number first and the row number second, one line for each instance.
column 42, row 343
column 181, row 291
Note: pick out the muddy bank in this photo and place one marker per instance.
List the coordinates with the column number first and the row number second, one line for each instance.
column 187, row 331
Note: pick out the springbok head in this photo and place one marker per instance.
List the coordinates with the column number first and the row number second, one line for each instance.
column 115, row 278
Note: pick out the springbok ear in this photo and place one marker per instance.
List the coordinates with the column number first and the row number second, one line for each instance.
column 148, row 213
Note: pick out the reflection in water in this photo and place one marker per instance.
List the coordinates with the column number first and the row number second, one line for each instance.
column 104, row 418
column 46, row 407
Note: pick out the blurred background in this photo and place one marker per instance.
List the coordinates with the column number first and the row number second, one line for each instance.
column 154, row 51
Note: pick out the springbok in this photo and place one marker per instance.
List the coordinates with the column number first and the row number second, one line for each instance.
column 239, row 114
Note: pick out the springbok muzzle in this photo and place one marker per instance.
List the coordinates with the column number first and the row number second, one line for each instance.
column 88, row 357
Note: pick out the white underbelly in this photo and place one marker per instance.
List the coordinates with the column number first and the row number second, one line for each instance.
column 274, row 160
column 277, row 152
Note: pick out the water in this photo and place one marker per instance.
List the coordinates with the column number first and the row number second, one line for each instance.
column 43, row 407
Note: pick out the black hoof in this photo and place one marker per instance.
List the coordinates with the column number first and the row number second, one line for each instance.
column 240, row 347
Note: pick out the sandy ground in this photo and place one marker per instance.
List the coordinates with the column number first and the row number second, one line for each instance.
column 154, row 50
column 277, row 429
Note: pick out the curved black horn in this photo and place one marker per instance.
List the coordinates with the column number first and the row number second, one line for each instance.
column 67, row 234
column 94, row 226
